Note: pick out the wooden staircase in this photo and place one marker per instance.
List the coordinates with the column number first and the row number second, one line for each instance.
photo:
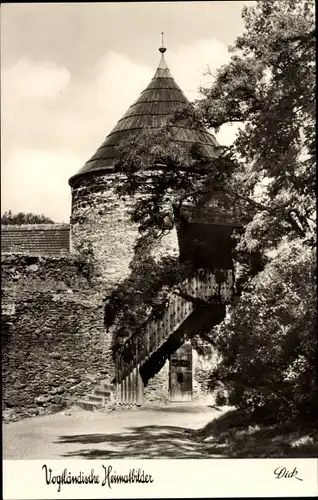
column 145, row 352
column 161, row 337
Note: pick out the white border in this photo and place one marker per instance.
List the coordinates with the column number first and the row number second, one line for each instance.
column 182, row 478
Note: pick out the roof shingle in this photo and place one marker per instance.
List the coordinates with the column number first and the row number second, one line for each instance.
column 36, row 239
column 153, row 109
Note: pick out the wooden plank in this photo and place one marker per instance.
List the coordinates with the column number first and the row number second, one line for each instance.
column 121, row 392
column 147, row 342
column 131, row 387
column 117, row 379
column 125, row 390
column 140, row 388
column 141, row 346
column 135, row 384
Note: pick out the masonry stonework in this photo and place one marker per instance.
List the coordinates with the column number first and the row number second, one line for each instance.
column 55, row 348
column 53, row 315
column 100, row 220
column 157, row 390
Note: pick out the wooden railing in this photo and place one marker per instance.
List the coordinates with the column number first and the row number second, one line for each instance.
column 138, row 348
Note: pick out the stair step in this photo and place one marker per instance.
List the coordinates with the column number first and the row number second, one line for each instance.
column 99, row 398
column 89, row 405
column 100, row 391
column 95, row 399
column 107, row 387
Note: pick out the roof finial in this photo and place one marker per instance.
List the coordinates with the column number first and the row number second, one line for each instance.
column 162, row 48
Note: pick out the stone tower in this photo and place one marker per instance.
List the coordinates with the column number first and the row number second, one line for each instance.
column 99, row 219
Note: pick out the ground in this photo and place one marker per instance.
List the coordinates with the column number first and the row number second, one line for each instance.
column 170, row 432
column 121, row 434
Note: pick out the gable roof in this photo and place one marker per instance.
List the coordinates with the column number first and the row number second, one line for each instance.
column 36, row 239
column 152, row 109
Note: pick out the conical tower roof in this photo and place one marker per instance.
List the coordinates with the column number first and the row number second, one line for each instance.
column 153, row 109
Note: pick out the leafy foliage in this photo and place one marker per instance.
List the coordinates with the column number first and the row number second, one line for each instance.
column 162, row 175
column 270, row 87
column 85, row 260
column 268, row 340
column 8, row 218
column 270, row 328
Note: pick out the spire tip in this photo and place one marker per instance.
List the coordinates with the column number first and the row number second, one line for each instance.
column 162, row 49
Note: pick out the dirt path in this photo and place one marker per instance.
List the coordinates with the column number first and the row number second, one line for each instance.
column 120, row 434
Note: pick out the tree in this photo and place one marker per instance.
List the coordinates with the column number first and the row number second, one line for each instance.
column 8, row 218
column 269, row 89
column 268, row 340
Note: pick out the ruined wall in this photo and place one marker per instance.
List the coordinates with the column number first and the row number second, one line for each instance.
column 54, row 346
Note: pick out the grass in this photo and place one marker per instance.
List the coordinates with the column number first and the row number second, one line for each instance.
column 238, row 435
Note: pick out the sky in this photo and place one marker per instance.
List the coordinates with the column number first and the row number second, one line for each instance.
column 69, row 71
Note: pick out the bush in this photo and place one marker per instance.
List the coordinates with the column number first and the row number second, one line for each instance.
column 268, row 341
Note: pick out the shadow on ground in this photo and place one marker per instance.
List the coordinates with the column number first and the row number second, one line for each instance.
column 153, row 441
column 232, row 435
column 244, row 436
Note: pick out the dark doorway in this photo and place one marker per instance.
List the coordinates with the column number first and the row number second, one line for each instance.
column 180, row 374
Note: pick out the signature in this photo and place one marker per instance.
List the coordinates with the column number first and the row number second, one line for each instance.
column 281, row 472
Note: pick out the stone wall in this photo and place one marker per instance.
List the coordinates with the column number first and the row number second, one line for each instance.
column 202, row 366
column 100, row 220
column 157, row 390
column 55, row 348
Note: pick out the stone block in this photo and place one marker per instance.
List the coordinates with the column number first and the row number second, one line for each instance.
column 41, row 400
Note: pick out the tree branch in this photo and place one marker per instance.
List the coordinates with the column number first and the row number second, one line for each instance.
column 204, row 336
column 294, row 224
